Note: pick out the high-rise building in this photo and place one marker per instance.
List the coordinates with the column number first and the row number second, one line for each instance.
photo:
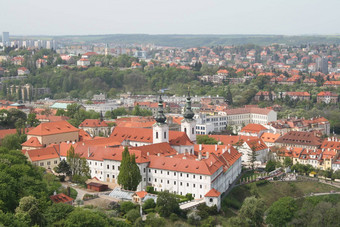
column 5, row 39
column 322, row 65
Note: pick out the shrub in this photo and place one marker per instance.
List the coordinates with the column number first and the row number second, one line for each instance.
column 173, row 217
column 149, row 203
column 150, row 189
column 132, row 215
column 261, row 182
column 233, row 202
column 126, row 207
column 148, row 211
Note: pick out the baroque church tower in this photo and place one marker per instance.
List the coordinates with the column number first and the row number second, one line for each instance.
column 160, row 128
column 188, row 124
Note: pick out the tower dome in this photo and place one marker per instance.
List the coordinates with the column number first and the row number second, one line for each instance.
column 160, row 117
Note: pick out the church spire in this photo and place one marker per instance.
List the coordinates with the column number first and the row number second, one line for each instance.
column 160, row 117
column 188, row 114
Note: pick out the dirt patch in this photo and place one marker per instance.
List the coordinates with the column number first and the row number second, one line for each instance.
column 98, row 202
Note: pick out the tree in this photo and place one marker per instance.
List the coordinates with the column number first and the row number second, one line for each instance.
column 281, row 212
column 32, row 120
column 57, row 212
column 79, row 168
column 129, row 174
column 63, row 167
column 20, row 93
column 166, row 204
column 127, row 206
column 229, row 97
column 205, row 139
column 132, row 215
column 148, row 204
column 81, row 217
column 253, row 209
column 288, row 162
column 136, row 177
column 270, row 166
column 13, row 141
column 29, row 209
column 252, row 156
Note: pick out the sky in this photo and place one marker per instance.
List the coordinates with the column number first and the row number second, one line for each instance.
column 91, row 17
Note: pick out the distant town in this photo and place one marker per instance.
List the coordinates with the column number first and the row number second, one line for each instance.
column 142, row 123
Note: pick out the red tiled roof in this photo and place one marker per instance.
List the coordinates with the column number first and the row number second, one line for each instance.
column 256, row 144
column 213, row 193
column 299, row 137
column 42, row 154
column 51, row 118
column 269, row 137
column 93, row 123
column 61, row 198
column 255, row 110
column 51, row 128
column 32, row 142
column 253, row 128
column 227, row 139
column 141, row 194
column 5, row 132
column 327, row 93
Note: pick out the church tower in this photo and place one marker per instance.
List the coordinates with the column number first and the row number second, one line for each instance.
column 106, row 50
column 188, row 124
column 160, row 128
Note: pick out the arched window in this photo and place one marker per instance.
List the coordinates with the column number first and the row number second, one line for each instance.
column 156, row 135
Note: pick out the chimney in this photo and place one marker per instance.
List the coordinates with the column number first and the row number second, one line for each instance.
column 207, row 154
column 223, row 150
column 147, row 153
column 159, row 154
column 229, row 150
column 200, row 147
column 215, row 147
column 184, row 157
column 199, row 156
column 88, row 152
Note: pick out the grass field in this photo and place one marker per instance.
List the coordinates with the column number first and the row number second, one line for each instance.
column 271, row 192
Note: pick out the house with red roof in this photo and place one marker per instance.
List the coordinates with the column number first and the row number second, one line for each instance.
column 44, row 157
column 95, row 127
column 255, row 130
column 297, row 95
column 51, row 133
column 23, row 71
column 335, row 84
column 265, row 96
column 83, row 62
column 62, row 198
column 327, row 97
column 257, row 146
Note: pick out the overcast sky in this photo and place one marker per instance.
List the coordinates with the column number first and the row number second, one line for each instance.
column 82, row 17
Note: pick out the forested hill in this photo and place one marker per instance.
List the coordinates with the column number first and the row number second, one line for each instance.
column 201, row 40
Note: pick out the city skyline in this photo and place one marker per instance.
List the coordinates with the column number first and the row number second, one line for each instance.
column 189, row 17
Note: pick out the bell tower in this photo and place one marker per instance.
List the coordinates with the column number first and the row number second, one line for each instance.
column 188, row 124
column 160, row 128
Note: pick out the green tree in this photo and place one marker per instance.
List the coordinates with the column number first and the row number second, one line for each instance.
column 281, row 212
column 79, row 168
column 270, row 166
column 127, row 206
column 132, row 215
column 63, row 167
column 166, row 204
column 253, row 210
column 129, row 174
column 288, row 162
column 13, row 141
column 229, row 97
column 57, row 212
column 148, row 204
column 32, row 120
column 29, row 209
column 81, row 217
column 205, row 139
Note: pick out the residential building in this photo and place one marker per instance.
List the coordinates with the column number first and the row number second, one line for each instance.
column 327, row 97
column 95, row 127
column 309, row 140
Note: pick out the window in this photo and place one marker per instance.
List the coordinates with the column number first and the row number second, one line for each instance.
column 174, row 182
column 187, row 184
column 108, row 176
column 101, row 164
column 181, row 174
column 168, row 182
column 187, row 175
column 95, row 163
column 113, row 176
column 161, row 181
column 41, row 163
column 200, row 186
column 185, row 130
column 161, row 171
column 48, row 163
column 149, row 179
column 108, row 166
column 144, row 179
column 156, row 135
column 118, row 167
column 194, row 176
column 193, row 185
column 174, row 173
column 155, row 180
column 200, row 177
column 193, row 131
column 211, row 200
column 144, row 170
column 180, row 183
column 164, row 135
column 155, row 171
column 113, row 167
column 149, row 170
column 168, row 173
column 55, row 162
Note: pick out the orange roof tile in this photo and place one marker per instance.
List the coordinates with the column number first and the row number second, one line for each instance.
column 61, row 198
column 32, row 142
column 51, row 128
column 93, row 123
column 253, row 128
column 213, row 193
column 42, row 154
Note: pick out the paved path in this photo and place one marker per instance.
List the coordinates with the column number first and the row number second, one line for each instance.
column 81, row 192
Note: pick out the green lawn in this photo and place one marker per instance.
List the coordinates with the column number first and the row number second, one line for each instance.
column 272, row 191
